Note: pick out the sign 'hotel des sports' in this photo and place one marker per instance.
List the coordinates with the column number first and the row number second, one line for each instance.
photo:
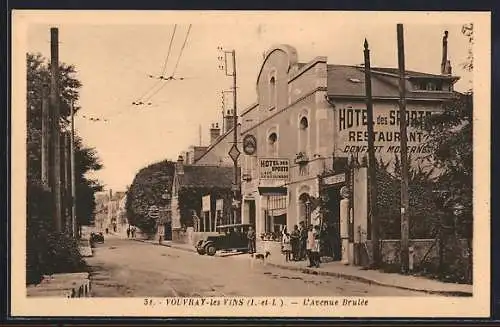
column 274, row 169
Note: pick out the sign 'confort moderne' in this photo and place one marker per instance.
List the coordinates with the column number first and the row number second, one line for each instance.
column 352, row 135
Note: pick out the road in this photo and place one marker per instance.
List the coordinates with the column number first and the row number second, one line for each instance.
column 127, row 268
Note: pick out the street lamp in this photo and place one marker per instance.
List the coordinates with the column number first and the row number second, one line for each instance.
column 308, row 212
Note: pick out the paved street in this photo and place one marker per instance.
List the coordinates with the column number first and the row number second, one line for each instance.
column 136, row 269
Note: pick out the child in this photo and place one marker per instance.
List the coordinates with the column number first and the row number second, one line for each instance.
column 287, row 247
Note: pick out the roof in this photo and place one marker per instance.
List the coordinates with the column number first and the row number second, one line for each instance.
column 411, row 73
column 349, row 81
column 206, row 176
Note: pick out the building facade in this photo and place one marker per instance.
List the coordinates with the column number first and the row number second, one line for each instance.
column 308, row 120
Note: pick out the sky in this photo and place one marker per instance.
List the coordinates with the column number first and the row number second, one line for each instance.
column 114, row 60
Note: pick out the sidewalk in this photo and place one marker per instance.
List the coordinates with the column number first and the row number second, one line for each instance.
column 339, row 270
column 180, row 246
column 411, row 283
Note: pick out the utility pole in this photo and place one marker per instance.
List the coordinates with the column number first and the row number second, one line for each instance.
column 56, row 139
column 404, row 154
column 73, row 175
column 67, row 181
column 234, row 152
column 45, row 136
column 372, row 169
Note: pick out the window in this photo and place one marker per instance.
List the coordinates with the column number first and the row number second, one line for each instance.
column 272, row 93
column 273, row 137
column 272, row 141
column 303, row 139
column 304, row 123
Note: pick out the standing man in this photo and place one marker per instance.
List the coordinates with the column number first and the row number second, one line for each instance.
column 251, row 240
column 128, row 232
column 295, row 242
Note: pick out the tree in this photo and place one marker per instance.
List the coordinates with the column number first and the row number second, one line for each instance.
column 148, row 188
column 48, row 251
column 451, row 143
column 86, row 159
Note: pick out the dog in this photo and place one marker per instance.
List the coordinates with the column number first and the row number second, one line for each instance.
column 262, row 257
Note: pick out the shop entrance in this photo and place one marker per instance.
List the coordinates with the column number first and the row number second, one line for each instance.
column 331, row 242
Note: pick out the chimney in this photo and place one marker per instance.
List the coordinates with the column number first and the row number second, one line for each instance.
column 447, row 68
column 228, row 120
column 179, row 166
column 214, row 133
column 444, row 59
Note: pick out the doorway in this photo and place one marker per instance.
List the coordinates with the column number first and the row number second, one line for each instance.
column 332, row 246
column 250, row 211
column 168, row 231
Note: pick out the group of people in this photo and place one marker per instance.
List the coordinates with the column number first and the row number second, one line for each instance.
column 131, row 232
column 302, row 243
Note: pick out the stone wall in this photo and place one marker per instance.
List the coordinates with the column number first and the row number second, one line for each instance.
column 421, row 248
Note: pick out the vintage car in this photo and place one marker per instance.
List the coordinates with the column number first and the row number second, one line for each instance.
column 96, row 238
column 231, row 238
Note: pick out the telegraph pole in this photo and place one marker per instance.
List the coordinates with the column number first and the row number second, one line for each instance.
column 372, row 169
column 67, row 181
column 234, row 152
column 404, row 154
column 45, row 136
column 56, row 139
column 73, row 176
column 235, row 134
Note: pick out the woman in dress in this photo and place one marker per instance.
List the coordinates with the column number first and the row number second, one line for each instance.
column 287, row 246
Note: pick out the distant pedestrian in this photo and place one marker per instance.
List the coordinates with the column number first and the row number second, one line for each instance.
column 107, row 230
column 310, row 246
column 316, row 246
column 133, row 232
column 286, row 246
column 294, row 242
column 128, row 232
column 251, row 237
column 303, row 241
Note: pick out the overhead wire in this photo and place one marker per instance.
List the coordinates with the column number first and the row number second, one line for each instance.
column 135, row 103
column 175, row 68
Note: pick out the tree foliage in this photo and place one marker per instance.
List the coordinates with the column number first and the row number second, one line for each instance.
column 147, row 189
column 422, row 204
column 452, row 146
column 48, row 251
column 86, row 159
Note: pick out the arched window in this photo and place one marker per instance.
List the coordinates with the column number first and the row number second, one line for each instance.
column 272, row 147
column 273, row 137
column 304, row 123
column 303, row 134
column 272, row 92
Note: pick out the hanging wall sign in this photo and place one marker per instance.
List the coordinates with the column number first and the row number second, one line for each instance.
column 249, row 144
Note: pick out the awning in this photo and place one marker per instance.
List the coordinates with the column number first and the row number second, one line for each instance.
column 272, row 190
column 277, row 212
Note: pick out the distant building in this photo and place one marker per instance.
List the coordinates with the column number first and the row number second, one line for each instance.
column 110, row 211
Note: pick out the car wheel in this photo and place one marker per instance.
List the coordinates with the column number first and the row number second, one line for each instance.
column 211, row 250
column 200, row 252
